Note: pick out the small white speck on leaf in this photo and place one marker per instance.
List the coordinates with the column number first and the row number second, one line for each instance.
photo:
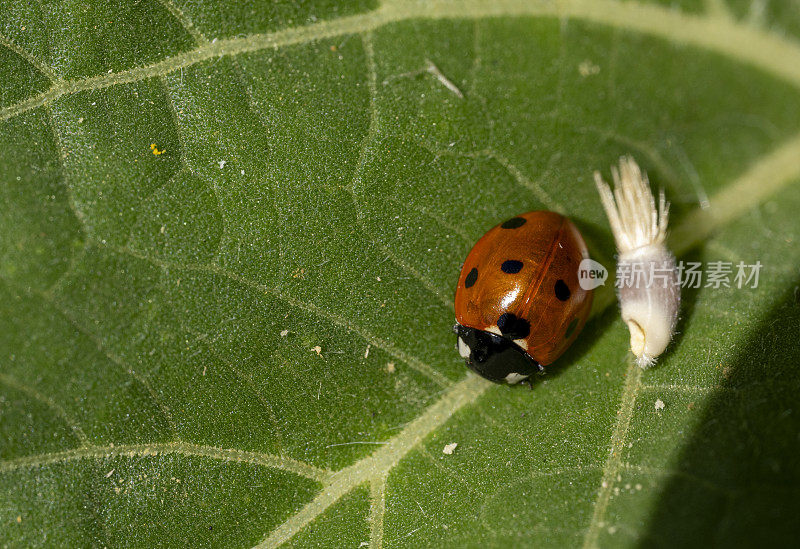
column 242, row 172
column 284, row 333
column 390, row 367
column 317, row 350
column 659, row 404
column 222, row 163
column 378, row 278
column 449, row 448
column 366, row 353
column 111, row 472
column 587, row 68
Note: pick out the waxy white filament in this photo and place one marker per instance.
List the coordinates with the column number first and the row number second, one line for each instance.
column 648, row 288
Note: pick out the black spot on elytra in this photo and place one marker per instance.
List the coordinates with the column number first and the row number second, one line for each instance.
column 511, row 266
column 571, row 328
column 471, row 278
column 514, row 223
column 562, row 291
column 513, row 327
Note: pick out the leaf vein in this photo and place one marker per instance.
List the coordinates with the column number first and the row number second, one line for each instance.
column 382, row 460
column 749, row 44
column 184, row 21
column 369, row 139
column 213, row 268
column 633, row 377
column 38, row 64
column 248, row 381
column 377, row 510
column 59, row 410
column 178, row 447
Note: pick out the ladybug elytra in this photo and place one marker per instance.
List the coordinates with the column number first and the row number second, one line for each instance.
column 518, row 302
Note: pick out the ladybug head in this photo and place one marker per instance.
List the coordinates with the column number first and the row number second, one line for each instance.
column 494, row 357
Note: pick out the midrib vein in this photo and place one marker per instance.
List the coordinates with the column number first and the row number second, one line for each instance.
column 383, row 460
column 749, row 44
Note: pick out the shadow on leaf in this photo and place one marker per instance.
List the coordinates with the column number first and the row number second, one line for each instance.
column 737, row 482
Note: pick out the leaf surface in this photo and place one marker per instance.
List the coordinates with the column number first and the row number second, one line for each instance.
column 231, row 235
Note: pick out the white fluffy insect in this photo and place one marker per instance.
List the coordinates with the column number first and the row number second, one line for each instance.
column 648, row 288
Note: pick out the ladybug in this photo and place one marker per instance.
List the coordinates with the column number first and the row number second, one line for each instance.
column 518, row 301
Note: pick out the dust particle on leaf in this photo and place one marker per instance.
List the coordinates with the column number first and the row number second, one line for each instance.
column 450, row 448
column 390, row 367
column 659, row 404
column 587, row 68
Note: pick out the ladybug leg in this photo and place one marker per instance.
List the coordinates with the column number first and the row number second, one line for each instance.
column 529, row 381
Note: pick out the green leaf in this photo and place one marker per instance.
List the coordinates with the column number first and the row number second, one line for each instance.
column 231, row 234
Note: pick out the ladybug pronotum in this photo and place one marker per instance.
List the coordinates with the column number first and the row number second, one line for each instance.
column 518, row 301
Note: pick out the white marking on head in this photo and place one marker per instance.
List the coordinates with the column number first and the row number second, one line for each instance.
column 522, row 343
column 514, row 377
column 463, row 348
column 495, row 330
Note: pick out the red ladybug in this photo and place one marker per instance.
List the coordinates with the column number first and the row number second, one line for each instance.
column 518, row 302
